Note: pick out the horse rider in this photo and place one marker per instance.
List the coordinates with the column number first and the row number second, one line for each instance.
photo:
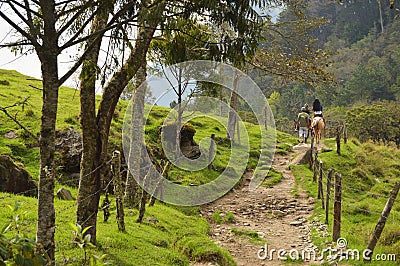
column 317, row 108
column 303, row 123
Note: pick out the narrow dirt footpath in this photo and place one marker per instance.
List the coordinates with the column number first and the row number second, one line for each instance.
column 274, row 213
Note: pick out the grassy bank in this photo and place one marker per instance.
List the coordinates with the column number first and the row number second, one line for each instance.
column 166, row 237
column 368, row 171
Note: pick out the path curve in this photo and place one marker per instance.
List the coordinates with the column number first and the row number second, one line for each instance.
column 279, row 218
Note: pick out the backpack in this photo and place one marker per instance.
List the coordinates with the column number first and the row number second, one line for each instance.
column 303, row 119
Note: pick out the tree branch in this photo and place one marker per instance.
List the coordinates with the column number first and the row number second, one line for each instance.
column 14, row 118
column 80, row 10
column 19, row 29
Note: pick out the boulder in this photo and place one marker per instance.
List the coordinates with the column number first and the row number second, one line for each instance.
column 69, row 145
column 15, row 179
column 189, row 147
column 304, row 158
column 64, row 194
column 191, row 152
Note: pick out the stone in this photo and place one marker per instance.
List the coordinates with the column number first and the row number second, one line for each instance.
column 4, row 82
column 69, row 144
column 64, row 194
column 152, row 220
column 312, row 200
column 189, row 148
column 278, row 212
column 15, row 179
column 10, row 135
column 296, row 223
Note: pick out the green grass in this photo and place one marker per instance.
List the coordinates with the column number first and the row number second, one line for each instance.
column 368, row 171
column 24, row 149
column 219, row 217
column 252, row 235
column 175, row 239
column 273, row 178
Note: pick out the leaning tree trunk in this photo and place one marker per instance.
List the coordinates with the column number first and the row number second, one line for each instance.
column 111, row 94
column 135, row 150
column 48, row 58
column 89, row 183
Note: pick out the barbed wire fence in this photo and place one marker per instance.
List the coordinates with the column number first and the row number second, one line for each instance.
column 329, row 178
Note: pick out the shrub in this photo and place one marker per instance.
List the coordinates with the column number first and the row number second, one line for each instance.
column 19, row 250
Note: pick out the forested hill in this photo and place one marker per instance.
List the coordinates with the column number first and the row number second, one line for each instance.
column 364, row 53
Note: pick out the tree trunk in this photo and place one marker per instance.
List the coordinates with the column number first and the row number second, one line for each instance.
column 89, row 183
column 48, row 58
column 230, row 134
column 111, row 94
column 143, row 199
column 179, row 117
column 135, row 150
column 380, row 16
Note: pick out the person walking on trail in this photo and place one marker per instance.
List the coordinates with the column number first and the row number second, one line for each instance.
column 307, row 108
column 303, row 124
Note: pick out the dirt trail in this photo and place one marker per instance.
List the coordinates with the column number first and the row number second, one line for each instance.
column 273, row 212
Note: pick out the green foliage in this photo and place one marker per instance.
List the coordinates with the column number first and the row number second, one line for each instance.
column 19, row 249
column 82, row 240
column 377, row 122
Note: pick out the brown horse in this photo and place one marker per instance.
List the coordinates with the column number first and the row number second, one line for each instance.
column 318, row 125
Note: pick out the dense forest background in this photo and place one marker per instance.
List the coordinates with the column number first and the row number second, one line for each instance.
column 362, row 38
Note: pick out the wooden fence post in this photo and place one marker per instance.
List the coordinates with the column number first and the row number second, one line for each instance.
column 345, row 133
column 265, row 118
column 320, row 190
column 312, row 141
column 338, row 140
column 238, row 129
column 312, row 151
column 143, row 199
column 118, row 190
column 328, row 195
column 381, row 223
column 315, row 167
column 337, row 207
column 211, row 152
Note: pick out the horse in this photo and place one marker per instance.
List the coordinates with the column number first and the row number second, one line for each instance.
column 318, row 125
